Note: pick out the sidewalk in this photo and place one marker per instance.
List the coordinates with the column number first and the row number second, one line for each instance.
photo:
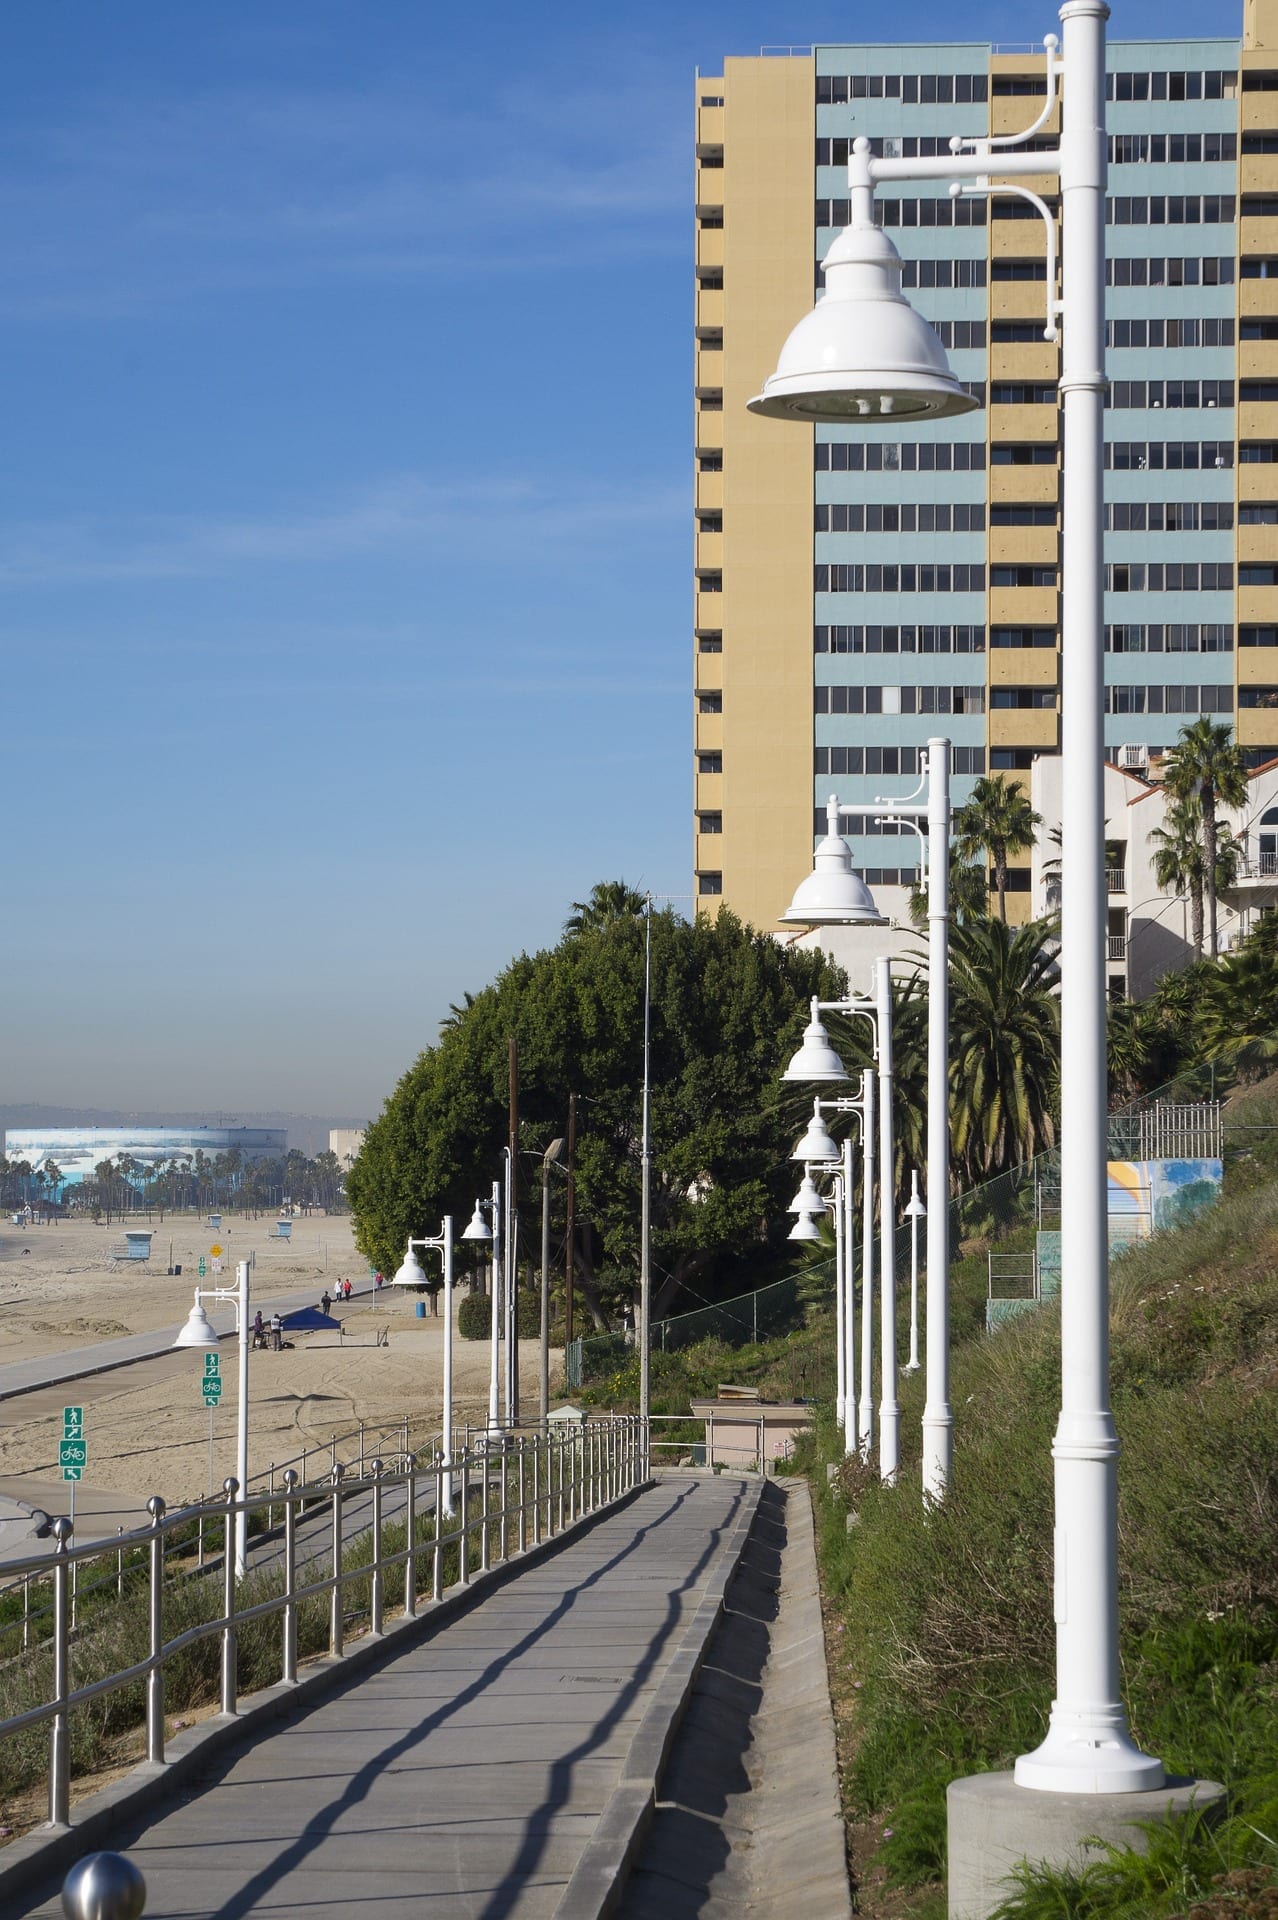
column 464, row 1776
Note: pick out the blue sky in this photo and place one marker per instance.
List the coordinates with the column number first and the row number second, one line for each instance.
column 344, row 529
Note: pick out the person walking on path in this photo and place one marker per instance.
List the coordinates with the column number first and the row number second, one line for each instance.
column 325, row 1302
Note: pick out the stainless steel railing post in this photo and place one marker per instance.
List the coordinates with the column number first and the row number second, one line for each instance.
column 463, row 1554
column 229, row 1647
column 484, row 1503
column 59, row 1733
column 289, row 1674
column 335, row 1598
column 155, row 1610
column 523, row 1517
column 410, row 1535
column 375, row 1598
column 536, row 1464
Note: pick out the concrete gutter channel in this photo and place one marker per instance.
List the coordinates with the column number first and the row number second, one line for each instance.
column 729, row 1797
column 40, row 1859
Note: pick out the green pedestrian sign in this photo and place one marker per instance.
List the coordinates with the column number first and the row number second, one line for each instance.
column 72, row 1417
column 212, row 1364
column 203, row 1267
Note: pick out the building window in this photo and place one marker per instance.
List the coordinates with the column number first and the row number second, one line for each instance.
column 1207, row 332
column 1003, row 699
column 1170, row 516
column 1131, row 149
column 709, row 463
column 709, row 703
column 1258, row 574
column 1175, row 456
column 1011, row 453
column 709, row 883
column 904, row 700
column 1020, row 270
column 709, row 523
column 1258, row 697
column 1173, row 393
column 1022, row 636
column 709, row 643
column 1184, row 271
column 911, row 89
column 709, row 763
column 1222, row 85
column 1022, row 576
column 876, row 639
column 1019, row 516
column 905, row 579
column 1022, row 393
column 1189, row 576
column 710, row 823
column 1169, row 699
column 1013, row 759
column 895, row 456
column 943, row 273
column 1020, row 86
column 710, row 582
column 907, row 517
column 1176, row 638
column 1258, row 636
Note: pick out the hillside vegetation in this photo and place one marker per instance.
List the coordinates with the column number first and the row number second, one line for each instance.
column 944, row 1623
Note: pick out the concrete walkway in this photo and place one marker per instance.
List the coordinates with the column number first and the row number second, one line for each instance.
column 465, row 1774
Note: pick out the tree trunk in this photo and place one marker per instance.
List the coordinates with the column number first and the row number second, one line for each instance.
column 1196, row 916
column 1209, row 861
column 1000, row 880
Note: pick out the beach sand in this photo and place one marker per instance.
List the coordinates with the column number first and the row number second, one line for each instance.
column 146, row 1425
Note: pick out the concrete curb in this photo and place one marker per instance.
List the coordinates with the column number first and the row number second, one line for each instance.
column 96, row 1822
column 599, row 1879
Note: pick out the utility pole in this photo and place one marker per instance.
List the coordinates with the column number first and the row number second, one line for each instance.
column 512, row 1270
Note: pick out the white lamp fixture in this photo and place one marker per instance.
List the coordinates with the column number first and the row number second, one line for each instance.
column 816, row 1058
column 832, row 895
column 808, row 1199
column 198, row 1329
column 804, row 1228
column 477, row 1228
column 817, row 1143
column 412, row 1273
column 863, row 353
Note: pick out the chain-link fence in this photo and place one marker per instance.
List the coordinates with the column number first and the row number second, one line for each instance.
column 739, row 1322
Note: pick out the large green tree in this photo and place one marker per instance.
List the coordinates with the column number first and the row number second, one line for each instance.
column 728, row 1008
column 1206, row 767
column 996, row 822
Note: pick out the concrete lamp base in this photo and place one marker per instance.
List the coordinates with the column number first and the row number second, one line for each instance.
column 994, row 1825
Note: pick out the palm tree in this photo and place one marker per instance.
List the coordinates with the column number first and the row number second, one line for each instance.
column 456, row 1013
column 997, row 821
column 969, row 893
column 1236, row 1014
column 1005, row 1040
column 1181, row 863
column 609, row 900
column 1206, row 764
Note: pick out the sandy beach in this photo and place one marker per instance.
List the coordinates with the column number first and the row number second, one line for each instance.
column 146, row 1425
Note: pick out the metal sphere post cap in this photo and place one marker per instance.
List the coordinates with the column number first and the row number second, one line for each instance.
column 104, row 1886
column 156, row 1507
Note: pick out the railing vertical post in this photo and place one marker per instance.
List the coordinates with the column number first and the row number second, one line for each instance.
column 290, row 1579
column 26, row 1611
column 155, row 1611
column 463, row 1550
column 335, row 1597
column 199, row 1553
column 410, row 1535
column 375, row 1605
column 119, row 1567
column 537, row 1488
column 270, row 1500
column 361, row 1449
column 437, row 1556
column 559, row 1464
column 483, row 1508
column 59, row 1740
column 229, row 1649
column 523, row 1517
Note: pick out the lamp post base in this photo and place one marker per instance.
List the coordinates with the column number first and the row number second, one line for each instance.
column 994, row 1824
column 1089, row 1757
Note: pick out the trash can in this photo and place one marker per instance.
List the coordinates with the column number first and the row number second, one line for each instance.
column 421, row 1309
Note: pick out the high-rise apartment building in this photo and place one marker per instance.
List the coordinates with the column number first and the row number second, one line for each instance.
column 860, row 590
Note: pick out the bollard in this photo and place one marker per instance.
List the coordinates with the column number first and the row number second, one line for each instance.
column 375, row 1601
column 335, row 1598
column 59, row 1743
column 230, row 1676
column 155, row 1678
column 104, row 1886
column 289, row 1674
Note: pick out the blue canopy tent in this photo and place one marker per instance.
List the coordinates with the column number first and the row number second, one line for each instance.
column 311, row 1320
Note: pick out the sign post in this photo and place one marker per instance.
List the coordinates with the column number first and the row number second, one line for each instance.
column 211, row 1388
column 73, row 1450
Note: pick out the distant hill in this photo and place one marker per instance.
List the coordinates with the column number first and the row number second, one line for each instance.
column 306, row 1131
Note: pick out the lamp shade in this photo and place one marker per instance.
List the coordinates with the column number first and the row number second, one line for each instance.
column 478, row 1228
column 832, row 895
column 412, row 1273
column 804, row 1228
column 807, row 1199
column 915, row 1210
column 198, row 1330
column 863, row 353
column 816, row 1058
column 817, row 1143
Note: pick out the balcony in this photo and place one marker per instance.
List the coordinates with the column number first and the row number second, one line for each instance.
column 1115, row 880
column 1256, row 870
column 1116, row 946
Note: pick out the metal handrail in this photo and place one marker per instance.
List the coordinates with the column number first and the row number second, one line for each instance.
column 574, row 1468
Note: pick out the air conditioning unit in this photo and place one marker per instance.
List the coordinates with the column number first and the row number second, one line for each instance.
column 1135, row 758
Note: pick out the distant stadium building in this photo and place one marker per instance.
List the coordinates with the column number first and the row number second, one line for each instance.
column 77, row 1152
column 346, row 1143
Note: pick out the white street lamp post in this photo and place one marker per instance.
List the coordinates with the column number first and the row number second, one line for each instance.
column 863, row 354
column 889, row 1405
column 543, row 1374
column 480, row 1231
column 411, row 1275
column 818, row 1146
column 198, row 1332
column 914, row 1212
column 865, row 1419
